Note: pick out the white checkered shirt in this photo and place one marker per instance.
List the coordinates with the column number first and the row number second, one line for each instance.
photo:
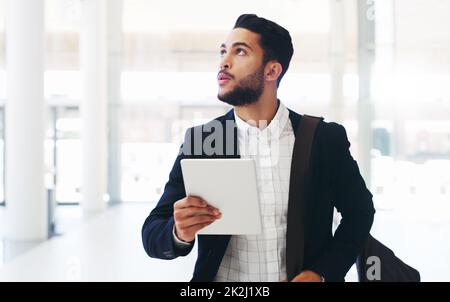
column 263, row 257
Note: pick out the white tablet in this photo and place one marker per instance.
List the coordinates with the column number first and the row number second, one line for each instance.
column 229, row 185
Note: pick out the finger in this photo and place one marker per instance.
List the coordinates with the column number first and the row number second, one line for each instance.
column 195, row 228
column 191, row 201
column 186, row 223
column 183, row 213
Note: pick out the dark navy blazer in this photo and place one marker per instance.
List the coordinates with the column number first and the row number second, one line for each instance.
column 333, row 181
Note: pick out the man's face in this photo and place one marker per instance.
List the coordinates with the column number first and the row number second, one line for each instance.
column 241, row 74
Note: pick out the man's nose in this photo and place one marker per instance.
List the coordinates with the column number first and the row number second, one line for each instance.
column 225, row 63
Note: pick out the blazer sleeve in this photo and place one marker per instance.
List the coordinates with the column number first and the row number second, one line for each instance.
column 354, row 201
column 157, row 231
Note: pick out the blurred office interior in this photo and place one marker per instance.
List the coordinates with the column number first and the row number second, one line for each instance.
column 95, row 97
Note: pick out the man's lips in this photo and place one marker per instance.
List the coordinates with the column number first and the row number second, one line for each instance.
column 223, row 78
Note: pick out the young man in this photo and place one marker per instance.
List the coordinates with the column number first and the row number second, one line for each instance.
column 254, row 58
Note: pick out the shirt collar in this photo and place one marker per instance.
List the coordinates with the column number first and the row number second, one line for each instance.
column 274, row 129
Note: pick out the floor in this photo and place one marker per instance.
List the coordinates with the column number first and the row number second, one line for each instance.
column 108, row 247
column 417, row 229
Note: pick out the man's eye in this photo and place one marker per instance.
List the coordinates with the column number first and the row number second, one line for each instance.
column 222, row 52
column 240, row 51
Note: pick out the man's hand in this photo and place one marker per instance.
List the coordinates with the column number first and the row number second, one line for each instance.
column 307, row 276
column 192, row 214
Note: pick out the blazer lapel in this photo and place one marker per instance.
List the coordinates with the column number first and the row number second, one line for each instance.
column 295, row 120
column 296, row 219
column 231, row 146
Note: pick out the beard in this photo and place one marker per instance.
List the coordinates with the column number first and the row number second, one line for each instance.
column 247, row 91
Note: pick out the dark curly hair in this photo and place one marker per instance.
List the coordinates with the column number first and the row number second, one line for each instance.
column 275, row 40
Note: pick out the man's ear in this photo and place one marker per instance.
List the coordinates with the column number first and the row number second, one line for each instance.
column 272, row 71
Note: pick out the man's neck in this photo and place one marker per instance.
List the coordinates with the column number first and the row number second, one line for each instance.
column 260, row 113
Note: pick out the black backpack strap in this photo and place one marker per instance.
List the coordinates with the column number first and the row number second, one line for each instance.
column 299, row 169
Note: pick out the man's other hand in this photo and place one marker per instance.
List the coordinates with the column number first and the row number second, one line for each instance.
column 307, row 276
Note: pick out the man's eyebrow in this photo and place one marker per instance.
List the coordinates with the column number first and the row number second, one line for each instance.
column 237, row 44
